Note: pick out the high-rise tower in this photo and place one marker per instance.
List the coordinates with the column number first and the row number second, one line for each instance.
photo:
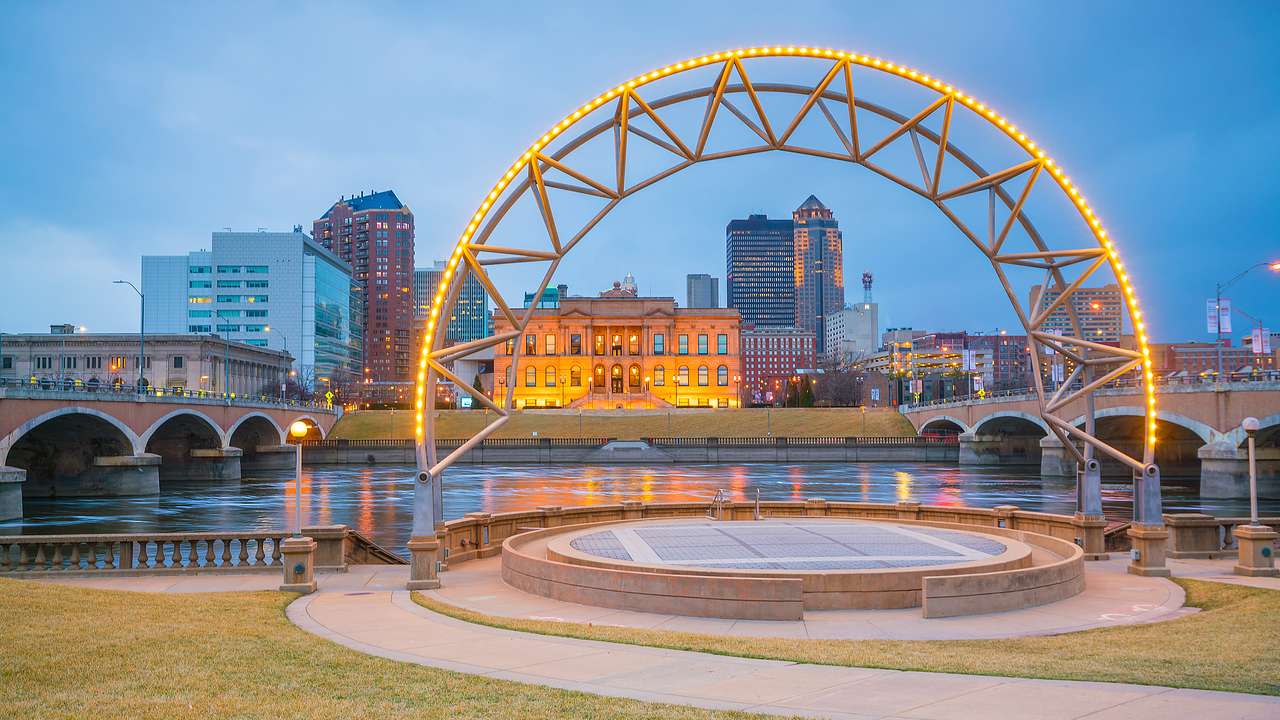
column 818, row 267
column 759, row 274
column 373, row 233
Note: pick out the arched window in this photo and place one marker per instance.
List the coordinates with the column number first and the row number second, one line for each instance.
column 599, row 376
column 722, row 376
column 531, row 376
column 615, row 379
column 702, row 375
column 551, row 376
column 682, row 376
column 575, row 376
column 633, row 376
column 659, row 376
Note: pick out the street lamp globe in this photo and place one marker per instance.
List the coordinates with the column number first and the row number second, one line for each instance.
column 299, row 429
column 1251, row 425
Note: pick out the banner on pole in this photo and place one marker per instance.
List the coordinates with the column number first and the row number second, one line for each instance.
column 1261, row 340
column 1220, row 319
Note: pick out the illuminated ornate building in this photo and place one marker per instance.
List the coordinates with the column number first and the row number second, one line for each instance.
column 819, row 267
column 620, row 350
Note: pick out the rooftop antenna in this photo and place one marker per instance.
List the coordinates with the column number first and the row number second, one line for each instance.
column 866, row 287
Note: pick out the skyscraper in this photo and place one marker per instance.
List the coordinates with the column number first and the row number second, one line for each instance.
column 760, row 272
column 819, row 267
column 702, row 291
column 469, row 320
column 373, row 233
column 1100, row 311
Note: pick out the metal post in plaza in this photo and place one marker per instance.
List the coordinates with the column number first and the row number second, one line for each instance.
column 1255, row 540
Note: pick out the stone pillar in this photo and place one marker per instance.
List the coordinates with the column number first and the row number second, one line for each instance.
column 269, row 457
column 217, row 464
column 480, row 530
column 1224, row 471
column 976, row 451
column 551, row 515
column 1055, row 460
column 1193, row 535
column 11, row 479
column 1257, row 551
column 331, row 546
column 1147, row 555
column 815, row 507
column 423, row 560
column 299, row 565
column 112, row 476
column 632, row 509
column 1091, row 536
column 908, row 510
column 1005, row 516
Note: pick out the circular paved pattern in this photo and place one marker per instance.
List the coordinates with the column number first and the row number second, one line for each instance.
column 788, row 545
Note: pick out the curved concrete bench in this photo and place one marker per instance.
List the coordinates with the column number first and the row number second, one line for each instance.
column 990, row 592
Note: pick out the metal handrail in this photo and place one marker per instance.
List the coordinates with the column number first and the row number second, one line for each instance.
column 36, row 389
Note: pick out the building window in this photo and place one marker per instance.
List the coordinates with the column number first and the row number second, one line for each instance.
column 702, row 345
column 228, row 283
column 201, row 300
column 615, row 379
column 722, row 376
column 722, row 344
column 199, row 313
column 531, row 377
column 682, row 344
column 199, row 284
column 551, row 376
column 256, row 298
column 44, row 362
column 117, row 362
column 69, row 363
column 633, row 376
column 200, row 269
column 177, row 363
column 659, row 344
column 633, row 345
column 550, row 342
column 255, row 313
column 599, row 344
column 228, row 313
column 702, row 376
column 93, row 362
column 229, row 269
column 6, row 362
column 575, row 344
column 599, row 381
column 228, row 328
column 257, row 283
column 575, row 376
column 659, row 376
column 510, row 346
column 259, row 269
column 682, row 376
column 226, row 299
column 615, row 347
column 530, row 345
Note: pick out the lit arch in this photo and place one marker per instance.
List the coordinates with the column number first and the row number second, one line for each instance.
column 526, row 174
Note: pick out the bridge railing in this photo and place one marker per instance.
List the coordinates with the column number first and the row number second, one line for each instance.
column 37, row 390
column 450, row 443
column 773, row 442
column 1238, row 381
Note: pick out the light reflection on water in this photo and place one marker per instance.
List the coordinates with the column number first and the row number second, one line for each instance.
column 377, row 500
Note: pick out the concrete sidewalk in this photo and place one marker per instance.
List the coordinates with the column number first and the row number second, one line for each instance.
column 391, row 625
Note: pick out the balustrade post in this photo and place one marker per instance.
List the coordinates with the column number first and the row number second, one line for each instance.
column 299, row 565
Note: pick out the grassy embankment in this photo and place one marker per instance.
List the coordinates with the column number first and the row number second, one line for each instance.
column 79, row 653
column 1232, row 645
column 634, row 424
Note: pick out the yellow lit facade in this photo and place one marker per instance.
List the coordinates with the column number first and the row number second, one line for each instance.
column 621, row 352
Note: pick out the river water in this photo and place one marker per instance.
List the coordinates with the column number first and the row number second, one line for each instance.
column 377, row 500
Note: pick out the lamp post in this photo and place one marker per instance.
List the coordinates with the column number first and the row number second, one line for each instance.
column 1217, row 303
column 1251, row 426
column 299, row 552
column 298, row 430
column 1256, row 541
column 142, row 329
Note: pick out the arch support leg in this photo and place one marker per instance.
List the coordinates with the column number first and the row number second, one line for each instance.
column 1089, row 521
column 1149, row 534
column 424, row 547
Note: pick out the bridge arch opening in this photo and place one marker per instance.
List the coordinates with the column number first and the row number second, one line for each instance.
column 1010, row 438
column 64, row 455
column 178, row 440
column 252, row 432
column 942, row 426
column 1175, row 453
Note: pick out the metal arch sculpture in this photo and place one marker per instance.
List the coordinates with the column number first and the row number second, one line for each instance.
column 1095, row 364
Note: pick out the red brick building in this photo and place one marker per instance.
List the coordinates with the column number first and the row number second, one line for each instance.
column 772, row 355
column 373, row 233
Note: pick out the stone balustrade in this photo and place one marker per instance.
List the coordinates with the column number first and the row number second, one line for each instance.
column 180, row 553
column 1194, row 535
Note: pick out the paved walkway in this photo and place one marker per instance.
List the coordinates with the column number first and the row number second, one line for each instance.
column 391, row 625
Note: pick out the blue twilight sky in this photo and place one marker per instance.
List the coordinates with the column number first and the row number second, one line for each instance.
column 139, row 128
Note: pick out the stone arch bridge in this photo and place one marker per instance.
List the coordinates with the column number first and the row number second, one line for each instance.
column 56, row 443
column 1198, row 429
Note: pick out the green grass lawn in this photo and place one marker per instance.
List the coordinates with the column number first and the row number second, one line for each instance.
column 79, row 653
column 1233, row 644
column 634, row 424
